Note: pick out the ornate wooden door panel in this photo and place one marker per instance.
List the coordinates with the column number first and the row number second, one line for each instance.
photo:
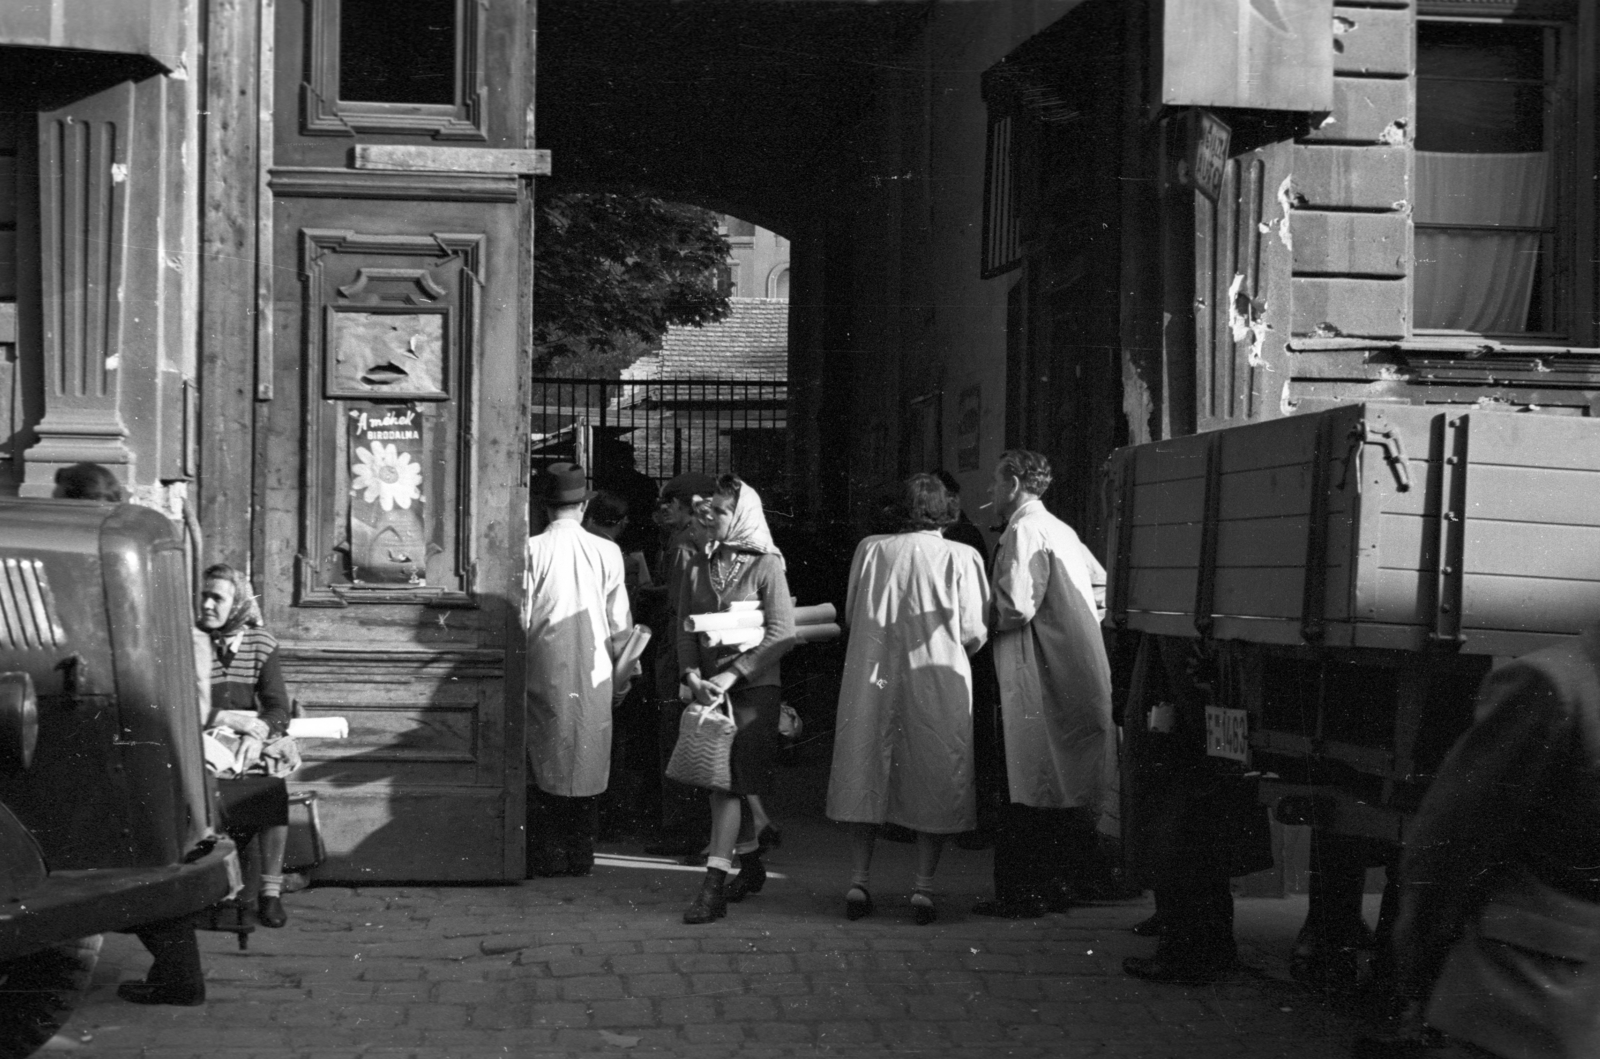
column 390, row 529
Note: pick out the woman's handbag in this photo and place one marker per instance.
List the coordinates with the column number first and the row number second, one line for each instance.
column 701, row 757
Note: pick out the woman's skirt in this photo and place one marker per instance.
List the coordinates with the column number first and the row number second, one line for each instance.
column 251, row 804
column 756, row 742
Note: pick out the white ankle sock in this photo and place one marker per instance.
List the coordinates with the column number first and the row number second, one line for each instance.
column 271, row 885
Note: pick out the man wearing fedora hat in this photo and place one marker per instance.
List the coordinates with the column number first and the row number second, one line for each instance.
column 574, row 611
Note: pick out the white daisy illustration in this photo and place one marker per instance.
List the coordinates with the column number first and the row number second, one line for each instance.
column 389, row 477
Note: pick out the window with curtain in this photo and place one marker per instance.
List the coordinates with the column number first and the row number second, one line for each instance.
column 1488, row 194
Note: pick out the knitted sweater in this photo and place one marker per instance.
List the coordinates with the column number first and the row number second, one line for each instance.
column 246, row 675
column 760, row 578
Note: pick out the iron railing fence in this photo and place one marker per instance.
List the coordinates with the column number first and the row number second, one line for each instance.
column 713, row 426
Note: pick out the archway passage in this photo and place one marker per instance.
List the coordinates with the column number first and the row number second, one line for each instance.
column 755, row 109
column 734, row 105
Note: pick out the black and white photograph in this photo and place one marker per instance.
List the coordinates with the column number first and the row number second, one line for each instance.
column 799, row 529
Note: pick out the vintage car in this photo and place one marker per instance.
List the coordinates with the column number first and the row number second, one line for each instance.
column 106, row 817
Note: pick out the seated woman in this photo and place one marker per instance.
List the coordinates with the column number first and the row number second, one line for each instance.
column 248, row 696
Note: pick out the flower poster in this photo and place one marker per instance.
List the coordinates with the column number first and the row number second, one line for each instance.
column 388, row 527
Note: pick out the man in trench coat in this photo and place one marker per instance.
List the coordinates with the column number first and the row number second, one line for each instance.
column 574, row 608
column 1055, row 695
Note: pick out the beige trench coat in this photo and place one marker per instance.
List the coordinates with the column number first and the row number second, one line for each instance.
column 902, row 748
column 1055, row 680
column 573, row 607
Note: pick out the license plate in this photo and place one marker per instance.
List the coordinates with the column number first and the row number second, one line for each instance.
column 1227, row 733
column 235, row 874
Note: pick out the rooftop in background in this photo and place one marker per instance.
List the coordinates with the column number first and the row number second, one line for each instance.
column 752, row 343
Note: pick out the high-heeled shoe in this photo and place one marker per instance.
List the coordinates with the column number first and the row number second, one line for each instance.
column 855, row 908
column 711, row 902
column 751, row 878
column 924, row 910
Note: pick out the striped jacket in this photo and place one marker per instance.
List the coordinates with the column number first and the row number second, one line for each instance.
column 246, row 675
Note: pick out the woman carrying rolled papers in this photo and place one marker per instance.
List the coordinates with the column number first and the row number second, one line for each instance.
column 740, row 565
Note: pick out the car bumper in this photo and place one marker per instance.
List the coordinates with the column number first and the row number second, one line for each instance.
column 75, row 904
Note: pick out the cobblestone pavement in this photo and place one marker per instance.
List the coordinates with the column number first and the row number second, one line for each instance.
column 603, row 966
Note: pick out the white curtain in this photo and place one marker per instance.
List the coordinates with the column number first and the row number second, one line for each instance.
column 1476, row 280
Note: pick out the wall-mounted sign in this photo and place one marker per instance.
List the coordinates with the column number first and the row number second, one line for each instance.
column 969, row 418
column 1251, row 54
column 382, row 352
column 388, row 527
column 1211, row 140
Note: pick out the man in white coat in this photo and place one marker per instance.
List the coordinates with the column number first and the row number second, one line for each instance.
column 574, row 610
column 1055, row 695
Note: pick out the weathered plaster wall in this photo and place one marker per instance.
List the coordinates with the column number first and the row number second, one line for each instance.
column 925, row 328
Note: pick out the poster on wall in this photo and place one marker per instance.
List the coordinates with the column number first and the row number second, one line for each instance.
column 388, row 527
column 968, row 418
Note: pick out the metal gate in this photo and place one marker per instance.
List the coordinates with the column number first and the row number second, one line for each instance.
column 713, row 426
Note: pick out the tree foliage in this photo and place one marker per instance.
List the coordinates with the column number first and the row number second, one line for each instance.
column 613, row 271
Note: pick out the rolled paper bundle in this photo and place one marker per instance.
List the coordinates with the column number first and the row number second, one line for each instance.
column 726, row 619
column 319, row 728
column 632, row 647
column 816, row 633
column 745, row 604
column 820, row 614
column 744, row 639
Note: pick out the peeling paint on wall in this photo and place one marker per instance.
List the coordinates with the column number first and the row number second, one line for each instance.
column 1137, row 404
column 1287, row 404
column 1394, row 134
column 1286, row 203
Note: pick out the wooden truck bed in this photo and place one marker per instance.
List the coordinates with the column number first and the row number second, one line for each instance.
column 1371, row 526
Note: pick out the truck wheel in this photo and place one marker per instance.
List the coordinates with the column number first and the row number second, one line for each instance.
column 39, row 992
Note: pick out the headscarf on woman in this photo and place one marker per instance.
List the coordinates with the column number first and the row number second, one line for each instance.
column 246, row 613
column 748, row 531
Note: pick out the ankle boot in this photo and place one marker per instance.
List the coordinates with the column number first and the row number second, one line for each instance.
column 751, row 878
column 712, row 902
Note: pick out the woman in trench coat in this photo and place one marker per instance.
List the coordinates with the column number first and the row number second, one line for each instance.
column 902, row 749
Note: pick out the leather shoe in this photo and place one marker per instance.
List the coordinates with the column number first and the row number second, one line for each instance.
column 270, row 913
column 1175, row 971
column 1151, row 927
column 547, row 862
column 854, row 909
column 751, row 878
column 147, row 993
column 1019, row 908
column 711, row 903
